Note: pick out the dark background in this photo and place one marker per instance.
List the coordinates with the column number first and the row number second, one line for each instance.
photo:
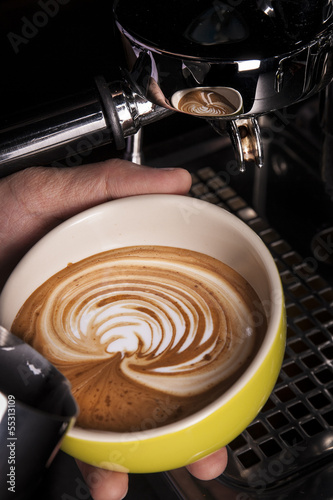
column 48, row 57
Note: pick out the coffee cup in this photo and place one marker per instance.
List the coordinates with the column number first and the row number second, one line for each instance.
column 164, row 223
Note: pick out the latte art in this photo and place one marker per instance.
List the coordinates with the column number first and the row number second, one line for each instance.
column 205, row 103
column 144, row 334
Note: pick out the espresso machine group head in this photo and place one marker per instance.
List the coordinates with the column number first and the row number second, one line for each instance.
column 227, row 62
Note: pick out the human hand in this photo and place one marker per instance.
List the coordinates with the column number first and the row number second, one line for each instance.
column 108, row 485
column 34, row 201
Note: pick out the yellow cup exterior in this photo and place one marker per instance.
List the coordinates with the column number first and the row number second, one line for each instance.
column 176, row 221
column 176, row 449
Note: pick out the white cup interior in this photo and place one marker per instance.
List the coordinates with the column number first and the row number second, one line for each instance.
column 168, row 220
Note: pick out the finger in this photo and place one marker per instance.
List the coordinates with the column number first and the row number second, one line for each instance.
column 34, row 201
column 104, row 484
column 127, row 179
column 67, row 191
column 211, row 466
column 62, row 193
column 93, row 184
column 43, row 197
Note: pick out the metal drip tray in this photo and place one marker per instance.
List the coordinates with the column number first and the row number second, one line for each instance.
column 290, row 443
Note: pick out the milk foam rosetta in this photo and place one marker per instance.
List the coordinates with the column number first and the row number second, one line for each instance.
column 146, row 335
column 205, row 103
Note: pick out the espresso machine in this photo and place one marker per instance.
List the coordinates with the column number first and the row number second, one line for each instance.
column 238, row 92
column 256, row 56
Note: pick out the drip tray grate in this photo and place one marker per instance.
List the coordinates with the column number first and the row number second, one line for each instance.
column 293, row 434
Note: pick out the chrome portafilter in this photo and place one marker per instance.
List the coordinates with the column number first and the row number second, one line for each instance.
column 228, row 62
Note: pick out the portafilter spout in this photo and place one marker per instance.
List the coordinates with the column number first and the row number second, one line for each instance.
column 246, row 140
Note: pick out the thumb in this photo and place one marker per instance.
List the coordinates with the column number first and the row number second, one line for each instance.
column 37, row 199
column 60, row 193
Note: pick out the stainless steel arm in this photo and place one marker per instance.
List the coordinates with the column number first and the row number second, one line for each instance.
column 111, row 112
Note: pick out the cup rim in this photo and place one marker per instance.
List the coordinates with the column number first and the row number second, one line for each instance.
column 272, row 331
column 274, row 320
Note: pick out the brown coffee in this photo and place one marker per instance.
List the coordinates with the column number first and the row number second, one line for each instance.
column 146, row 335
column 205, row 103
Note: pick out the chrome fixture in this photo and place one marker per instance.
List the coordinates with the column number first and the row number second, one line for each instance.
column 258, row 56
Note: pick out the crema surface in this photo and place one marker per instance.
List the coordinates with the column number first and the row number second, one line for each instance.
column 146, row 335
column 205, row 103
